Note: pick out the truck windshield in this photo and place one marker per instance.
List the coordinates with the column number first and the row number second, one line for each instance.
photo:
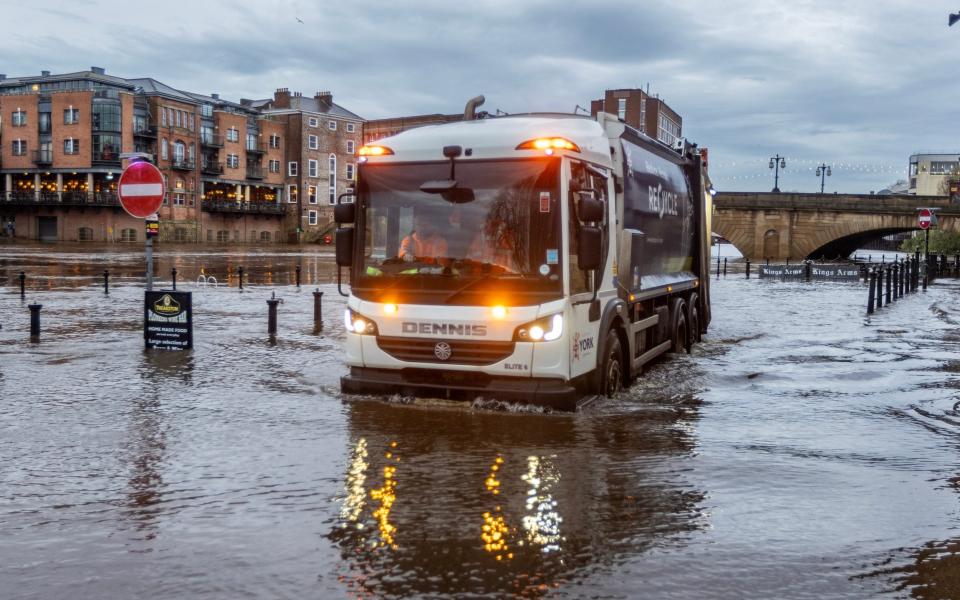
column 495, row 233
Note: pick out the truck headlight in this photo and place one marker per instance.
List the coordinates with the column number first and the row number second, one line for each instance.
column 356, row 323
column 545, row 329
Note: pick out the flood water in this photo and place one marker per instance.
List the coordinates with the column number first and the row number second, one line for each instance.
column 802, row 451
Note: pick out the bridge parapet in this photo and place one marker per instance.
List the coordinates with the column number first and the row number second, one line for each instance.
column 871, row 203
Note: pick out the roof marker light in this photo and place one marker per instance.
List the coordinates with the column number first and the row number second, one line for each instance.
column 549, row 145
column 373, row 150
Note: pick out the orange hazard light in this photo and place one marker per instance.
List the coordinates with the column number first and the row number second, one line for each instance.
column 549, row 145
column 374, row 151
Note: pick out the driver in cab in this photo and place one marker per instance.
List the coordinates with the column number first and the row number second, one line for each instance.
column 424, row 244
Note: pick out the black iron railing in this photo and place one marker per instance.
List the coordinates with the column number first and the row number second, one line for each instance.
column 212, row 168
column 225, row 206
column 254, row 172
column 183, row 164
column 212, row 141
column 59, row 199
column 43, row 157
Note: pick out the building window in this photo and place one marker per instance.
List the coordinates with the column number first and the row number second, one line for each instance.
column 181, row 234
column 292, row 194
column 312, row 142
column 312, row 194
column 669, row 131
column 233, row 161
column 206, row 110
column 312, row 217
column 351, row 127
column 190, row 121
column 312, row 168
column 223, row 236
column 941, row 167
column 251, row 141
column 163, row 117
column 274, row 166
column 71, row 116
column 178, row 116
column 274, row 141
column 179, row 152
column 178, row 199
column 19, row 118
column 313, row 121
column 233, row 135
column 128, row 235
column 292, row 169
column 622, row 108
column 349, row 174
column 71, row 146
column 164, row 153
column 351, row 146
column 19, row 147
column 264, row 236
column 85, row 234
column 332, row 125
column 333, row 179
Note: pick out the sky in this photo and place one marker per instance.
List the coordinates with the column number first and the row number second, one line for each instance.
column 856, row 85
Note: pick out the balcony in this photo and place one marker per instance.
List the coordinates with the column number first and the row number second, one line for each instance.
column 258, row 148
column 43, row 157
column 149, row 131
column 63, row 199
column 211, row 168
column 248, row 208
column 254, row 172
column 211, row 141
column 182, row 164
column 108, row 159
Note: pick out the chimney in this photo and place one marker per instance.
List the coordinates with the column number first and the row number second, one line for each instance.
column 98, row 70
column 215, row 96
column 324, row 98
column 281, row 98
column 45, row 73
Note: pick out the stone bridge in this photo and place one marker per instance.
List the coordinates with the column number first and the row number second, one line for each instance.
column 782, row 226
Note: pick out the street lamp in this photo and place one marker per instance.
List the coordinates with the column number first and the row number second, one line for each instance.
column 823, row 171
column 776, row 163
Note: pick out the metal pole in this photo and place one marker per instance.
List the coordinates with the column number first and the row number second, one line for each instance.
column 298, row 275
column 879, row 287
column 724, row 267
column 748, row 269
column 240, row 274
column 35, row 322
column 106, row 281
column 317, row 310
column 872, row 292
column 889, row 282
column 272, row 314
column 173, row 277
column 149, row 263
column 896, row 280
column 718, row 263
column 23, row 285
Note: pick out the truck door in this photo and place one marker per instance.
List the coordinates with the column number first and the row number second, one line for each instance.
column 583, row 330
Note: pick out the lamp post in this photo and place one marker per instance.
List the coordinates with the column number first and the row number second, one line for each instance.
column 823, row 171
column 777, row 162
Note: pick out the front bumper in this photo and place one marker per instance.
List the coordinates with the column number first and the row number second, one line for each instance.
column 554, row 393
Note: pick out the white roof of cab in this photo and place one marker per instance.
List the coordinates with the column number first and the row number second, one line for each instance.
column 498, row 138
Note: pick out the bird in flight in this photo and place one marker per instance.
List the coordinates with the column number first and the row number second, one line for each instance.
column 299, row 20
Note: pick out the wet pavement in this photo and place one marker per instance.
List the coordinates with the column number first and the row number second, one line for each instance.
column 802, row 451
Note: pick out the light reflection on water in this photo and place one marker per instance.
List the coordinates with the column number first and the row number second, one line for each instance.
column 804, row 450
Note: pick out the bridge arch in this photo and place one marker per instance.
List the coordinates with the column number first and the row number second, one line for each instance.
column 845, row 246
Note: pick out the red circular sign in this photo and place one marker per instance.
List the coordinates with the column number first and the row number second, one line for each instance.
column 141, row 189
column 924, row 218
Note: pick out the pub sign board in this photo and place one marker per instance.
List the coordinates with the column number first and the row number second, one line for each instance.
column 168, row 320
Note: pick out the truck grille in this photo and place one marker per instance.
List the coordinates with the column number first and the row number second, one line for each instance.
column 462, row 352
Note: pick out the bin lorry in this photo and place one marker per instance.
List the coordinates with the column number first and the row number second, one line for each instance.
column 538, row 258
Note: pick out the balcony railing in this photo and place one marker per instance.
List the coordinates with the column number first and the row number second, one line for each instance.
column 254, row 172
column 65, row 199
column 106, row 158
column 211, row 141
column 256, row 208
column 256, row 148
column 183, row 164
column 145, row 130
column 211, row 168
column 43, row 157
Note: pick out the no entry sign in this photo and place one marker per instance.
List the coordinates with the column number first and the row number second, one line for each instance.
column 141, row 189
column 925, row 218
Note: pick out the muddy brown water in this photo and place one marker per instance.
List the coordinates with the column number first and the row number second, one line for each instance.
column 802, row 451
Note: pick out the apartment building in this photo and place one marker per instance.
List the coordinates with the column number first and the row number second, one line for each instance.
column 934, row 174
column 253, row 171
column 639, row 109
column 376, row 129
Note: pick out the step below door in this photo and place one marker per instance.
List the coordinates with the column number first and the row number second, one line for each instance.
column 47, row 229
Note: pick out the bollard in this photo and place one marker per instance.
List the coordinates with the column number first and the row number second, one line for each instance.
column 903, row 277
column 748, row 269
column 788, row 261
column 173, row 277
column 807, row 270
column 724, row 266
column 298, row 275
column 106, row 281
column 879, row 287
column 768, row 261
column 23, row 285
column 240, row 273
column 35, row 322
column 872, row 291
column 317, row 310
column 889, row 281
column 272, row 314
column 869, row 258
column 896, row 280
column 718, row 263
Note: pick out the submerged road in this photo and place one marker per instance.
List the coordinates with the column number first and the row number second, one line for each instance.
column 802, row 451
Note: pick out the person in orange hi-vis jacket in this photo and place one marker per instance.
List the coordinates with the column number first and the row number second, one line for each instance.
column 424, row 244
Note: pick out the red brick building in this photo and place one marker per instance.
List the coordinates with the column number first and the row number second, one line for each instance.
column 380, row 128
column 638, row 109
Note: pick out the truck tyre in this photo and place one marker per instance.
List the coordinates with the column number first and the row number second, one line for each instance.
column 681, row 334
column 612, row 368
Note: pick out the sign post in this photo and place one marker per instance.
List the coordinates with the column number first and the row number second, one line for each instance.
column 925, row 220
column 141, row 194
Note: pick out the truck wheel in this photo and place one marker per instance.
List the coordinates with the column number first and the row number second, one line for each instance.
column 693, row 319
column 612, row 369
column 680, row 331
